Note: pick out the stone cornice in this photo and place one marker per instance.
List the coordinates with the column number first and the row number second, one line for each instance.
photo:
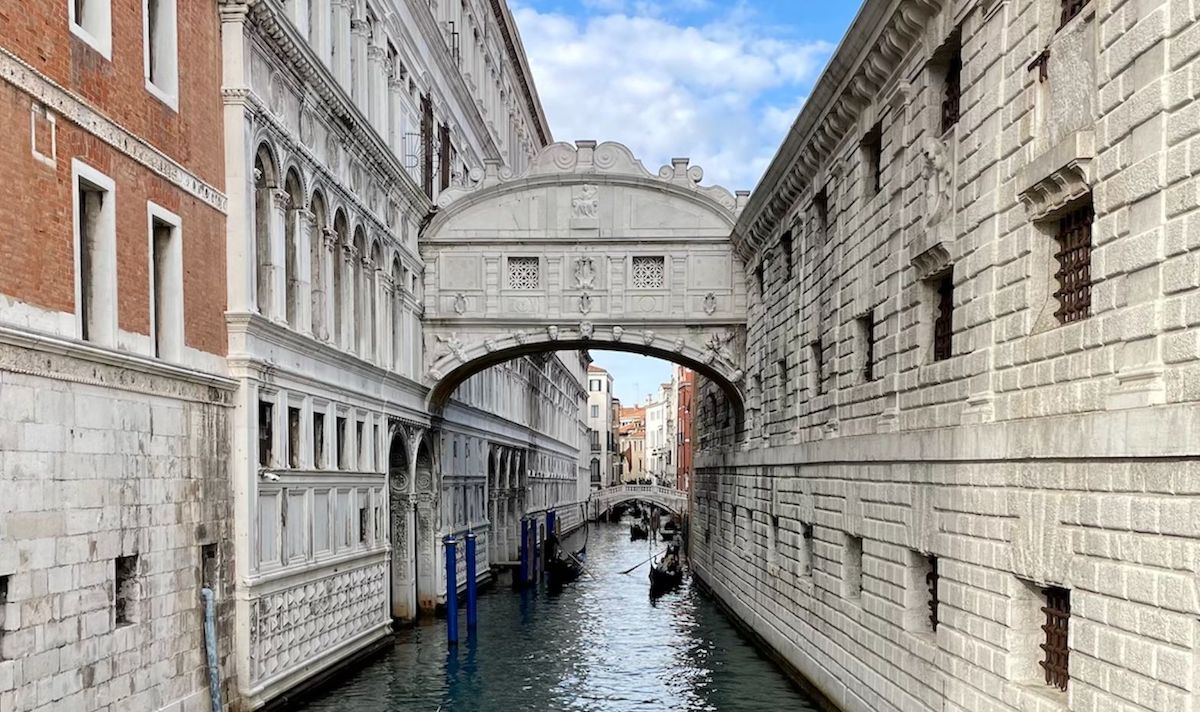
column 516, row 53
column 269, row 17
column 880, row 37
column 76, row 110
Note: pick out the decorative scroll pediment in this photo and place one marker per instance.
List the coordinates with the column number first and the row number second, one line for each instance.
column 1060, row 176
column 931, row 261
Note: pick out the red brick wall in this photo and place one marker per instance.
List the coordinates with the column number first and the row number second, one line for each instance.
column 36, row 249
column 685, row 424
column 37, row 31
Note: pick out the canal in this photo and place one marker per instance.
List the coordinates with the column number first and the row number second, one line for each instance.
column 601, row 645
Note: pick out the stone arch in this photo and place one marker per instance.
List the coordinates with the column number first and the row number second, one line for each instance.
column 316, row 264
column 338, row 285
column 397, row 315
column 374, row 343
column 266, row 182
column 294, row 189
column 426, row 488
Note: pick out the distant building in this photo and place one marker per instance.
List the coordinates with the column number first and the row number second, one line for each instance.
column 684, row 382
column 632, row 442
column 602, row 429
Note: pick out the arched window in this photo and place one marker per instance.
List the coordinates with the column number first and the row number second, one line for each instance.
column 397, row 318
column 317, row 265
column 291, row 240
column 374, row 345
column 341, row 235
column 264, row 185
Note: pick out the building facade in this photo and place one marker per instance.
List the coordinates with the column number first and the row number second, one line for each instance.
column 684, row 380
column 966, row 479
column 344, row 122
column 114, row 406
column 603, row 427
column 632, row 442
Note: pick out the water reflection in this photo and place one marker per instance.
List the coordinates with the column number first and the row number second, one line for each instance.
column 601, row 645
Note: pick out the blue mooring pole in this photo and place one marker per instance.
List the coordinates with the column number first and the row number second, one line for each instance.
column 551, row 521
column 524, row 568
column 451, row 590
column 472, row 612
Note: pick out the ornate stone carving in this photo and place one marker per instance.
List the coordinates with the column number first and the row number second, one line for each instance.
column 585, row 273
column 679, row 344
column 938, row 180
column 585, row 303
column 552, row 331
column 585, row 329
column 647, row 337
column 585, row 203
column 710, row 303
column 489, row 345
column 275, row 92
column 931, row 261
column 451, row 345
column 718, row 348
column 460, row 303
column 618, row 332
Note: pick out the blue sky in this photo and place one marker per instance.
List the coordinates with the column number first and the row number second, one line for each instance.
column 719, row 81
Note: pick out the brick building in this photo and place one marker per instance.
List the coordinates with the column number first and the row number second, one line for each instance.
column 113, row 404
column 684, row 380
column 968, row 475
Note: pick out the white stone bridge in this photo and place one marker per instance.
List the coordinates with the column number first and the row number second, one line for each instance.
column 585, row 250
column 669, row 498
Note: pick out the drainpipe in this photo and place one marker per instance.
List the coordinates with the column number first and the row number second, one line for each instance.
column 210, row 648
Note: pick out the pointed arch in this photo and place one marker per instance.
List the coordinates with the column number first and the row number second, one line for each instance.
column 358, row 272
column 316, row 265
column 291, row 244
column 338, row 285
column 266, row 181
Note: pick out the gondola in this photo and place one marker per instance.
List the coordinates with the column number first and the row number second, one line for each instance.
column 669, row 531
column 564, row 568
column 638, row 531
column 667, row 573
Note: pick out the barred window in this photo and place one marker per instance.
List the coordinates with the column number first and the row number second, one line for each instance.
column 952, row 90
column 943, row 321
column 648, row 272
column 785, row 246
column 1056, row 652
column 821, row 210
column 872, row 149
column 931, row 580
column 1071, row 8
column 523, row 273
column 866, row 328
column 1074, row 275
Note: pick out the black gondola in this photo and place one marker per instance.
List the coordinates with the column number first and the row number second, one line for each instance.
column 638, row 531
column 667, row 573
column 668, row 534
column 564, row 569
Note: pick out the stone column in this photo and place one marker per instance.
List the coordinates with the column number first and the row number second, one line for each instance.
column 366, row 292
column 360, row 33
column 377, row 94
column 395, row 118
column 277, row 234
column 319, row 30
column 328, row 245
column 349, row 260
column 386, row 295
column 341, row 43
column 306, row 233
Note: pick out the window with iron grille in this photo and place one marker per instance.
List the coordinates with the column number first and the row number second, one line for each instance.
column 1074, row 274
column 1071, row 8
column 817, row 367
column 427, row 146
column 523, row 273
column 648, row 272
column 872, row 148
column 866, row 330
column 785, row 246
column 943, row 318
column 760, row 277
column 952, row 89
column 1055, row 651
column 931, row 580
column 444, row 157
column 821, row 210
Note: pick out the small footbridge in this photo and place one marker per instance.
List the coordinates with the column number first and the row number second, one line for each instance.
column 671, row 499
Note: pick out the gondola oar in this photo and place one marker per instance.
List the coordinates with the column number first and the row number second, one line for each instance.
column 652, row 558
column 582, row 568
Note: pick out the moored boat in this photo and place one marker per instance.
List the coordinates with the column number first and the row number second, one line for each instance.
column 667, row 573
column 638, row 531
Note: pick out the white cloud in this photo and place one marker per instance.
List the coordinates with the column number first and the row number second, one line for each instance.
column 722, row 94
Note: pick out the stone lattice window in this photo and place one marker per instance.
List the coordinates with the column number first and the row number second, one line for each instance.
column 523, row 273
column 1074, row 274
column 648, row 272
column 1071, row 8
column 1056, row 652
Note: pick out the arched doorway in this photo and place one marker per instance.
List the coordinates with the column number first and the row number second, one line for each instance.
column 426, row 488
column 400, row 506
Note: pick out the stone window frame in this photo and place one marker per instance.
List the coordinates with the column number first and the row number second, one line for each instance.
column 169, row 345
column 1044, row 284
column 95, row 269
column 648, row 260
column 866, row 346
column 871, row 158
column 941, row 67
column 160, row 51
column 523, row 262
column 271, row 399
column 95, row 26
column 853, row 556
column 319, row 407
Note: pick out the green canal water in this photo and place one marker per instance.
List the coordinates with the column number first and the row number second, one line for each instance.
column 601, row 645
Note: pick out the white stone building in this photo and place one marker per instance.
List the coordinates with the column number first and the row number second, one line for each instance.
column 344, row 121
column 968, row 476
column 604, row 460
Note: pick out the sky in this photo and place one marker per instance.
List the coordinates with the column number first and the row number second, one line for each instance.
column 718, row 81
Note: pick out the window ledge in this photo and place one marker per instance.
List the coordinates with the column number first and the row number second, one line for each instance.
column 101, row 45
column 171, row 100
column 1059, row 176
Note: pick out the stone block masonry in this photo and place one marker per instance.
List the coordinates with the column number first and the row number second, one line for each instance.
column 967, row 481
